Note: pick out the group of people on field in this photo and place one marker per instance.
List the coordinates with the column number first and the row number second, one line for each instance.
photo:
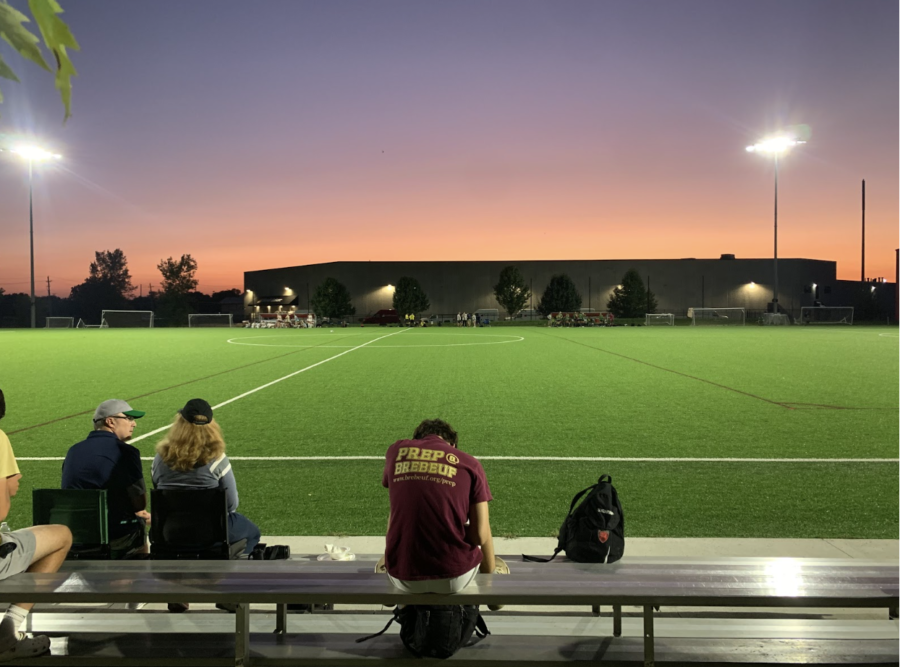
column 471, row 320
column 438, row 534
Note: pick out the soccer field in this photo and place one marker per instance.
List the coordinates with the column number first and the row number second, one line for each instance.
column 707, row 432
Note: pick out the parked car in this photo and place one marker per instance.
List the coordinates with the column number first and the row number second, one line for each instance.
column 386, row 316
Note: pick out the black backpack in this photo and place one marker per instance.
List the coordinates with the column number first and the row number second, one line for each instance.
column 436, row 631
column 594, row 532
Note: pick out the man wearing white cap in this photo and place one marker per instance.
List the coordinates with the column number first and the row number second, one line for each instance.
column 104, row 460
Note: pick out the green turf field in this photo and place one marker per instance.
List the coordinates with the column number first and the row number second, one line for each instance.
column 664, row 396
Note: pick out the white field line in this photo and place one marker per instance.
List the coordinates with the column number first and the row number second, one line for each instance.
column 265, row 386
column 627, row 459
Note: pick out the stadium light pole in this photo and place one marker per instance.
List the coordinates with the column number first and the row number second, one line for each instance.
column 775, row 146
column 33, row 154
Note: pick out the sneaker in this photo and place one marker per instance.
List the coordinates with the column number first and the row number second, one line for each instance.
column 178, row 607
column 25, row 647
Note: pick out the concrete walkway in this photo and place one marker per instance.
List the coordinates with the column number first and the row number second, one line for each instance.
column 676, row 547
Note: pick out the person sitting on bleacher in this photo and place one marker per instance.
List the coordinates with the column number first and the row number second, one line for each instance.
column 104, row 460
column 439, row 533
column 35, row 549
column 192, row 456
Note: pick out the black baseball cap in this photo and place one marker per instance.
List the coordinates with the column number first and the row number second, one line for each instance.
column 197, row 411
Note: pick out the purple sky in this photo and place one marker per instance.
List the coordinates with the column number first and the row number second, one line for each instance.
column 281, row 132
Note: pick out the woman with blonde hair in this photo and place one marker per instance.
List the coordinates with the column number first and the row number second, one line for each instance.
column 192, row 456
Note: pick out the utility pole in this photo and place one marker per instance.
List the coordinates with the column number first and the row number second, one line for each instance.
column 49, row 300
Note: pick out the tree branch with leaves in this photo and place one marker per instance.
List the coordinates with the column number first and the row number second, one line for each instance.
column 57, row 38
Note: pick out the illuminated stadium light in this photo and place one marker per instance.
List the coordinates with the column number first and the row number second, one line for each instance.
column 774, row 145
column 35, row 153
column 32, row 154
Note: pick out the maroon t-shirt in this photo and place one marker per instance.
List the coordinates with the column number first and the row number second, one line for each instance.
column 432, row 486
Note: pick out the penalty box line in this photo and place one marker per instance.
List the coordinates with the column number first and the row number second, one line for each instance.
column 269, row 384
column 621, row 459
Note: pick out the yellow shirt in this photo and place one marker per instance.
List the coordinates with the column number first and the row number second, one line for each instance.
column 8, row 465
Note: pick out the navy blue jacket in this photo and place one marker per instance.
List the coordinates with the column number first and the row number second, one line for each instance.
column 102, row 461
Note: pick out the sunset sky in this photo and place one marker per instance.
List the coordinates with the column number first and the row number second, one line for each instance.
column 280, row 132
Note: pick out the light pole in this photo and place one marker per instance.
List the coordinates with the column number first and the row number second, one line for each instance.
column 33, row 154
column 775, row 146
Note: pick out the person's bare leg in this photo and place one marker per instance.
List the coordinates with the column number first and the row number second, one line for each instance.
column 53, row 543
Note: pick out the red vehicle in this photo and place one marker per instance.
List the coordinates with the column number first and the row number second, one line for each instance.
column 385, row 317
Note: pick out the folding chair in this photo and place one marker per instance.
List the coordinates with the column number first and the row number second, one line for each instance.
column 191, row 524
column 84, row 512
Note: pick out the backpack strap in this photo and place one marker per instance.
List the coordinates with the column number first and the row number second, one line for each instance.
column 481, row 629
column 538, row 559
column 395, row 617
column 580, row 494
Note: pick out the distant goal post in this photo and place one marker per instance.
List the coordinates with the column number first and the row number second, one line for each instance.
column 198, row 320
column 659, row 319
column 116, row 319
column 826, row 315
column 60, row 323
column 717, row 316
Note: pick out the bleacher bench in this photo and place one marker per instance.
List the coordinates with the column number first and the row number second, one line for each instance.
column 643, row 582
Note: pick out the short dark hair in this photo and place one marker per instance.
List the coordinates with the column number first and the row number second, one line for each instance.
column 436, row 427
column 2, row 405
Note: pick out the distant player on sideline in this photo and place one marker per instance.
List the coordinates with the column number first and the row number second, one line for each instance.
column 435, row 489
column 37, row 549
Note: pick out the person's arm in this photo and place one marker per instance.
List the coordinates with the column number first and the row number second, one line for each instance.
column 228, row 483
column 480, row 535
column 4, row 499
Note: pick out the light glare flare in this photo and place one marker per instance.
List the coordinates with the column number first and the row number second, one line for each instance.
column 774, row 145
column 35, row 153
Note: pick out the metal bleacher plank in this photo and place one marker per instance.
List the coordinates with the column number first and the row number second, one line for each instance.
column 500, row 624
column 306, row 650
column 576, row 584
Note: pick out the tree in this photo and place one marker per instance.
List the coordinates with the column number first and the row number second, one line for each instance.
column 111, row 267
column 511, row 291
column 631, row 299
column 409, row 298
column 178, row 275
column 332, row 300
column 225, row 294
column 178, row 282
column 560, row 296
column 107, row 286
column 57, row 38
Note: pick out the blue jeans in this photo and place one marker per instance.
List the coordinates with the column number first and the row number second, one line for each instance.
column 242, row 528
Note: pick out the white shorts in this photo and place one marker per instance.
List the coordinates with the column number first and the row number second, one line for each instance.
column 441, row 586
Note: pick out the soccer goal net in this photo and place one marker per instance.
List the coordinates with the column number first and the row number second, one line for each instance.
column 60, row 322
column 127, row 318
column 84, row 325
column 210, row 320
column 658, row 319
column 718, row 316
column 826, row 315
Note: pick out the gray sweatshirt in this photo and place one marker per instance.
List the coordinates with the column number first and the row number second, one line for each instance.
column 215, row 474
